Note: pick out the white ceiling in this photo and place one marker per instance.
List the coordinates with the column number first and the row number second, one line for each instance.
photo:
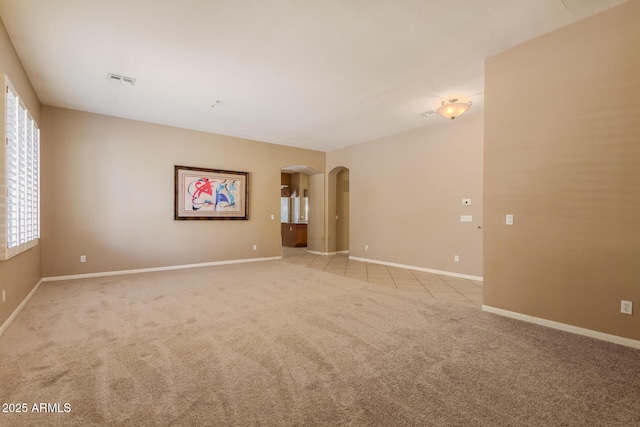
column 318, row 74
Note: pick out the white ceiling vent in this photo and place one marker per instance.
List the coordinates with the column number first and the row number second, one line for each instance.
column 121, row 79
column 428, row 113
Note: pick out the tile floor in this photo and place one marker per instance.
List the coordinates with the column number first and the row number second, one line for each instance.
column 464, row 291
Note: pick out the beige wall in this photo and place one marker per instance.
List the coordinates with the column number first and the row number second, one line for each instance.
column 342, row 210
column 108, row 189
column 21, row 273
column 562, row 153
column 330, row 203
column 406, row 195
column 11, row 66
column 316, row 236
column 337, row 202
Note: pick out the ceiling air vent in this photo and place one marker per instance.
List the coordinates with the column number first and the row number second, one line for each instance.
column 121, row 79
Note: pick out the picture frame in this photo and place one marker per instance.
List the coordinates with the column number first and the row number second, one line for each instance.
column 210, row 194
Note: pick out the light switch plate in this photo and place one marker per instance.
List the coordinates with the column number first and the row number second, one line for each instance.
column 466, row 218
column 509, row 219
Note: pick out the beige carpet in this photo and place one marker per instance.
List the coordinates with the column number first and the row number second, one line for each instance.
column 272, row 343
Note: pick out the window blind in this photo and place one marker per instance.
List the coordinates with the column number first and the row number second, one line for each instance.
column 22, row 177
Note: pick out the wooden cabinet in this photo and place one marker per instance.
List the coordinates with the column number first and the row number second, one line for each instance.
column 294, row 234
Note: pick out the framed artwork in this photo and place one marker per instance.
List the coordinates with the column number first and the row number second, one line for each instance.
column 210, row 194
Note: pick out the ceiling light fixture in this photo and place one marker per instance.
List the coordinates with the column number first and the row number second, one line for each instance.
column 453, row 108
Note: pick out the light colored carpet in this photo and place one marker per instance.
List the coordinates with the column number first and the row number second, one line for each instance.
column 272, row 343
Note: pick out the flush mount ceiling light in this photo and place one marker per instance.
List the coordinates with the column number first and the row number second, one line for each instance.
column 121, row 79
column 453, row 108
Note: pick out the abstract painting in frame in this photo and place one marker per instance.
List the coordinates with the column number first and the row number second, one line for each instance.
column 210, row 194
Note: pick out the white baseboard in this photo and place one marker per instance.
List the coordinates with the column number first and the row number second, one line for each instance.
column 426, row 270
column 563, row 327
column 19, row 308
column 321, row 253
column 328, row 253
column 149, row 270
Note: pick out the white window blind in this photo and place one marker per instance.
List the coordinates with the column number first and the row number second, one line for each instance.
column 21, row 183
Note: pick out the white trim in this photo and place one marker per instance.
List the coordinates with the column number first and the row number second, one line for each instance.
column 563, row 327
column 18, row 309
column 326, row 253
column 149, row 270
column 321, row 253
column 426, row 270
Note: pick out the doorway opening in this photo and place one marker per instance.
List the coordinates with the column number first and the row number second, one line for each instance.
column 300, row 198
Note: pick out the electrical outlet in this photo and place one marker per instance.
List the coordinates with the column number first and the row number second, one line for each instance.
column 456, row 258
column 83, row 258
column 4, row 295
column 626, row 307
column 255, row 247
column 366, row 247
